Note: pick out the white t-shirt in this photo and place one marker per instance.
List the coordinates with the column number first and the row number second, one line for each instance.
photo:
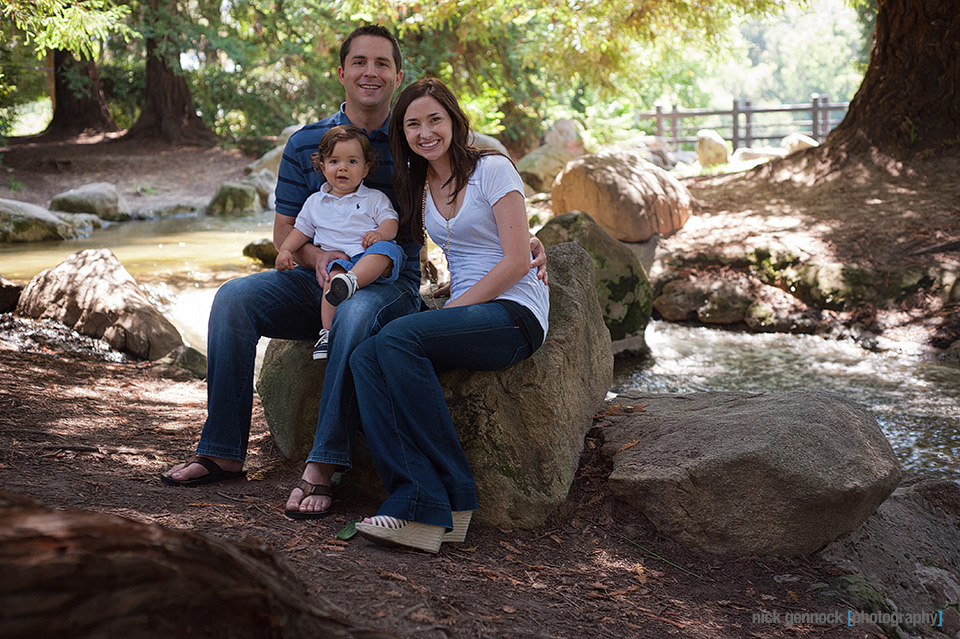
column 338, row 223
column 474, row 243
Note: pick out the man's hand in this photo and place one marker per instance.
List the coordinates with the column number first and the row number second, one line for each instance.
column 323, row 261
column 539, row 258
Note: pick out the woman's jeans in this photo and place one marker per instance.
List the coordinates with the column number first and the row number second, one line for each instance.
column 286, row 304
column 405, row 419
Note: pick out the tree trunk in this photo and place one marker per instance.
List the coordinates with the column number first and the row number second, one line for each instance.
column 168, row 111
column 81, row 110
column 71, row 573
column 909, row 102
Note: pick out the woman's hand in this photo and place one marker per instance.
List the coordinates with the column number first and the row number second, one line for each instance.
column 539, row 260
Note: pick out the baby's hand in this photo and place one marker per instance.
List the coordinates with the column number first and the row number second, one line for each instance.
column 370, row 237
column 285, row 261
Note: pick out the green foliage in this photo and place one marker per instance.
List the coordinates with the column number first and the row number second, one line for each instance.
column 22, row 78
column 72, row 25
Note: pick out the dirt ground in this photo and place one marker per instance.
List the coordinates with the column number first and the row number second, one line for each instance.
column 81, row 432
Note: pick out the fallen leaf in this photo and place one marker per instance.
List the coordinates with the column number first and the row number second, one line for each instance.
column 391, row 575
column 793, row 596
column 509, row 547
column 626, row 446
column 509, row 610
column 641, row 574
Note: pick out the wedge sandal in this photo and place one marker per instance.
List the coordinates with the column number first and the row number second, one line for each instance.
column 390, row 531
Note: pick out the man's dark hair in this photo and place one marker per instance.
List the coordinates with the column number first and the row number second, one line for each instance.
column 372, row 30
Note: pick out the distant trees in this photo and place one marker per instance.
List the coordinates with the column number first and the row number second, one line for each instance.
column 184, row 71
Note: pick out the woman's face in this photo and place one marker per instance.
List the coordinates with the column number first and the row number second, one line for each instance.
column 428, row 128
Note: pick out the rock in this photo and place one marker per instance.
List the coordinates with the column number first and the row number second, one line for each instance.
column 724, row 300
column 750, row 473
column 183, row 361
column 951, row 355
column 905, row 558
column 9, row 295
column 522, row 428
column 23, row 222
column 264, row 251
column 84, row 223
column 235, row 198
column 629, row 197
column 623, row 289
column 797, row 142
column 92, row 292
column 269, row 160
column 265, row 181
column 485, row 141
column 101, row 198
column 711, row 148
column 679, row 300
column 757, row 153
column 540, row 167
column 567, row 134
column 163, row 211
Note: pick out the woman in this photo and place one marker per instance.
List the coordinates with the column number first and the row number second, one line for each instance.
column 471, row 202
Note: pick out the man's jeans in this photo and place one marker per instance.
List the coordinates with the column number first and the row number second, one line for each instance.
column 286, row 305
column 405, row 419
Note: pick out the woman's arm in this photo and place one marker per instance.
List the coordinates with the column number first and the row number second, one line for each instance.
column 510, row 213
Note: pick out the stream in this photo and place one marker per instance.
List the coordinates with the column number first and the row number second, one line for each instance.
column 180, row 262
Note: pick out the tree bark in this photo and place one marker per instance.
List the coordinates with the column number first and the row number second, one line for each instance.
column 909, row 102
column 71, row 573
column 168, row 111
column 84, row 110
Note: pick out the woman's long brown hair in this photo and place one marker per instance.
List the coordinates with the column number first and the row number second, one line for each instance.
column 410, row 169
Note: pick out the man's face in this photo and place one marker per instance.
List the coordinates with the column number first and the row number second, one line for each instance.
column 369, row 75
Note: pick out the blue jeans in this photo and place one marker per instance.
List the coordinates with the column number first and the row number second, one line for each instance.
column 405, row 419
column 286, row 304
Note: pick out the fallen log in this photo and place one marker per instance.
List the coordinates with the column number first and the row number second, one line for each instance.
column 72, row 573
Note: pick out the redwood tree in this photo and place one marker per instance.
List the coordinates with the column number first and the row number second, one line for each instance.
column 77, row 109
column 909, row 102
column 169, row 113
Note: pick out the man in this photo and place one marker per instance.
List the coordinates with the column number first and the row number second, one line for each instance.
column 286, row 304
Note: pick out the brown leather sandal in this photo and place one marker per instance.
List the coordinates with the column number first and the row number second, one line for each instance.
column 310, row 490
column 214, row 474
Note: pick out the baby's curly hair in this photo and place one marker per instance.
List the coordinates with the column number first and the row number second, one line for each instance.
column 343, row 133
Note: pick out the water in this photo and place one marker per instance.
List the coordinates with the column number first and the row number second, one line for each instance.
column 151, row 249
column 180, row 262
column 914, row 400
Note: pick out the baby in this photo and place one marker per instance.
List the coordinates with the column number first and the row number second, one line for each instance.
column 349, row 217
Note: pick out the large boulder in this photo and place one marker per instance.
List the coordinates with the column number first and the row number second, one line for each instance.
column 485, row 141
column 629, row 197
column 752, row 473
column 101, row 199
column 269, row 160
column 522, row 427
column 902, row 566
column 92, row 292
column 568, row 134
column 24, row 222
column 711, row 148
column 623, row 288
column 540, row 167
column 235, row 198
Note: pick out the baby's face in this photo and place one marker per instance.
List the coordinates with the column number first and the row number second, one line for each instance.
column 345, row 167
